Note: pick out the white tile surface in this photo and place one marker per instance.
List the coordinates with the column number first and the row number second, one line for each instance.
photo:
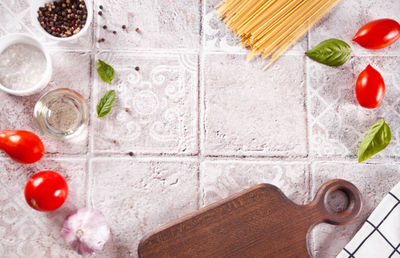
column 244, row 112
column 162, row 24
column 141, row 195
column 200, row 121
column 219, row 179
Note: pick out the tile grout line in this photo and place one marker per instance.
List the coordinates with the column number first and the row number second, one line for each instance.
column 18, row 20
column 225, row 160
column 201, row 189
column 93, row 50
column 308, row 140
column 310, row 160
column 306, row 102
column 202, row 158
column 201, row 103
column 308, row 127
column 193, row 51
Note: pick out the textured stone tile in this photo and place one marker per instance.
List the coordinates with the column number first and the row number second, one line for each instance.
column 337, row 122
column 26, row 232
column 155, row 110
column 8, row 22
column 70, row 70
column 348, row 17
column 137, row 196
column 218, row 37
column 220, row 179
column 17, row 6
column 249, row 111
column 162, row 24
column 373, row 180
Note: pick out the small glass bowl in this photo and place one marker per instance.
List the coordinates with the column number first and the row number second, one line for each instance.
column 61, row 113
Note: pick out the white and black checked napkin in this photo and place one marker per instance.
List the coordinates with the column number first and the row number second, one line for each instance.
column 380, row 235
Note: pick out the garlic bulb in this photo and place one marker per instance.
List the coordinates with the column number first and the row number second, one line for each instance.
column 86, row 231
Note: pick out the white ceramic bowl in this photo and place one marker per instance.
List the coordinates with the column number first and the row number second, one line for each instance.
column 35, row 4
column 11, row 39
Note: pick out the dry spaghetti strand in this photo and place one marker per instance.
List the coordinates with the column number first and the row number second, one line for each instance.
column 270, row 27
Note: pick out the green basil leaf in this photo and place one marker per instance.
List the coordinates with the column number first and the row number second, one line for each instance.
column 105, row 104
column 105, row 71
column 332, row 52
column 377, row 138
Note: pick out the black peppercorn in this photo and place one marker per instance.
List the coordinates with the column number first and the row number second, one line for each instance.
column 100, row 13
column 114, row 32
column 137, row 68
column 63, row 18
column 101, row 7
column 105, row 27
column 123, row 27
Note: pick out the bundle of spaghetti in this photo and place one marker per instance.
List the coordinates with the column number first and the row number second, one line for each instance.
column 270, row 27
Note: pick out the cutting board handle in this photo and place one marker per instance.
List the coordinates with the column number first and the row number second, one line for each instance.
column 352, row 210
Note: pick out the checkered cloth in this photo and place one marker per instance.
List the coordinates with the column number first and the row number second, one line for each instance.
column 380, row 235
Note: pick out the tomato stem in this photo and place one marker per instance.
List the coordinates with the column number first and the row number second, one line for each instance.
column 79, row 233
column 34, row 203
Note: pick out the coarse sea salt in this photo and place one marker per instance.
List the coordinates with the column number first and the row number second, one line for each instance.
column 21, row 66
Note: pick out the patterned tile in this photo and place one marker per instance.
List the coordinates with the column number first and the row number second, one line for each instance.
column 162, row 24
column 244, row 111
column 220, row 179
column 71, row 70
column 156, row 107
column 29, row 233
column 337, row 122
column 373, row 180
column 347, row 17
column 137, row 196
column 217, row 36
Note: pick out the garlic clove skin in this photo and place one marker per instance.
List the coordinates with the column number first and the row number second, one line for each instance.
column 86, row 231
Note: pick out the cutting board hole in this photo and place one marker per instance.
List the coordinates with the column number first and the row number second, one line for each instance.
column 337, row 201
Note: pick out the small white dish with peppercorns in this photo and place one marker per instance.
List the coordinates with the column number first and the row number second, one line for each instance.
column 62, row 20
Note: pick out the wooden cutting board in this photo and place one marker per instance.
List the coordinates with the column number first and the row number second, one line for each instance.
column 258, row 222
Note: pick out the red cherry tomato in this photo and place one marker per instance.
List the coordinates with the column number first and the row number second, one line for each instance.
column 21, row 146
column 46, row 191
column 370, row 88
column 378, row 34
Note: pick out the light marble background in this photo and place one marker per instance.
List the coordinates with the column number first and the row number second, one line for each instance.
column 202, row 122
